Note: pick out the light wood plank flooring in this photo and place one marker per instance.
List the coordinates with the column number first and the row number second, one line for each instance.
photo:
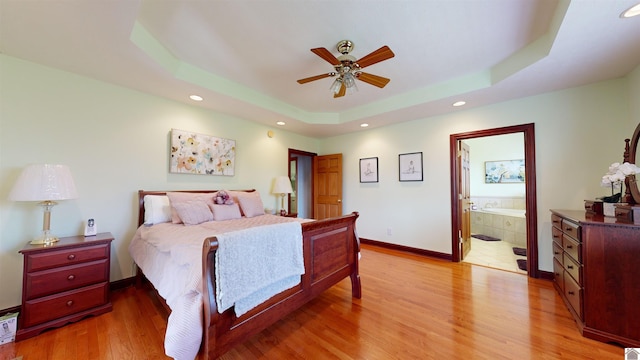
column 412, row 307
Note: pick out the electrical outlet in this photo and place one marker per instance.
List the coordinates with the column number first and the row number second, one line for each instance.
column 389, row 232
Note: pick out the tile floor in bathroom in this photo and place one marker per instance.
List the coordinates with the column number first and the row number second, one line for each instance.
column 494, row 254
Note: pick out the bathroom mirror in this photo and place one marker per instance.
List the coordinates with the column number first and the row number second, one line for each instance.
column 631, row 180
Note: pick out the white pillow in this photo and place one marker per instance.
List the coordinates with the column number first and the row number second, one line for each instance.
column 251, row 204
column 157, row 209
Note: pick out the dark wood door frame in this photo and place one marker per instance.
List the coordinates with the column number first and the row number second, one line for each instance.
column 530, row 189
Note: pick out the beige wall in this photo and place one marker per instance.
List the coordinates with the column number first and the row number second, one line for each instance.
column 115, row 141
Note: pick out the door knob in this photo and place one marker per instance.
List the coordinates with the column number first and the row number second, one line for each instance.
column 339, row 200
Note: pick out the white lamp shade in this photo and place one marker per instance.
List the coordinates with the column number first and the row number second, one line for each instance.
column 44, row 182
column 282, row 185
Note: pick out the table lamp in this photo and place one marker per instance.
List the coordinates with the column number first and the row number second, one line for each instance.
column 282, row 186
column 44, row 183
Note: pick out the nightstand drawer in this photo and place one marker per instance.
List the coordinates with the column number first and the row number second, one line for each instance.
column 51, row 259
column 56, row 280
column 56, row 306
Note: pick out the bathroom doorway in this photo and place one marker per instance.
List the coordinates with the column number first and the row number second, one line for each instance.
column 301, row 175
column 460, row 207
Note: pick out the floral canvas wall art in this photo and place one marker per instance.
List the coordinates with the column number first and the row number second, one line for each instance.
column 193, row 153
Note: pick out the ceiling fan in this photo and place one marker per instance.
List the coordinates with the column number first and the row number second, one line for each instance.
column 347, row 68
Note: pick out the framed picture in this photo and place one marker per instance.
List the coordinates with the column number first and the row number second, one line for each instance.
column 410, row 166
column 193, row 153
column 504, row 171
column 369, row 170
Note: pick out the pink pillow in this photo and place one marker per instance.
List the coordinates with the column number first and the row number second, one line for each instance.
column 182, row 197
column 251, row 204
column 225, row 212
column 193, row 212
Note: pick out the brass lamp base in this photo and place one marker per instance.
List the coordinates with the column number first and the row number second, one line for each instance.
column 47, row 239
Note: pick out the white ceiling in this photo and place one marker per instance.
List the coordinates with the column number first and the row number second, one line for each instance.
column 244, row 56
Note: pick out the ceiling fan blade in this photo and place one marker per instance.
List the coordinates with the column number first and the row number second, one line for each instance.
column 374, row 80
column 314, row 78
column 343, row 90
column 326, row 55
column 381, row 54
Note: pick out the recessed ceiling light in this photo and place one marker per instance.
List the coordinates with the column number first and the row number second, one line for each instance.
column 632, row 11
column 281, row 123
column 195, row 97
column 459, row 103
column 364, row 125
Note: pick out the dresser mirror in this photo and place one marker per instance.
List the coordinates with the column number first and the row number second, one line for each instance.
column 630, row 181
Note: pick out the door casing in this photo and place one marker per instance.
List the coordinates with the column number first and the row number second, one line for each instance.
column 531, row 207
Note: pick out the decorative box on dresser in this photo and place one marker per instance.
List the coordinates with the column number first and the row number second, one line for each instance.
column 597, row 273
column 64, row 282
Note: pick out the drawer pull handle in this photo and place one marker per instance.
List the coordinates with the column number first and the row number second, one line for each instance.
column 571, row 293
column 555, row 221
column 71, row 256
column 71, row 277
column 555, row 236
column 556, row 252
column 569, row 266
column 70, row 303
column 569, row 246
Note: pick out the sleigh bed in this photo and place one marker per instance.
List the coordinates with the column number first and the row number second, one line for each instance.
column 329, row 254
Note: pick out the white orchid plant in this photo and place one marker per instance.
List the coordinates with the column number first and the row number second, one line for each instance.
column 616, row 175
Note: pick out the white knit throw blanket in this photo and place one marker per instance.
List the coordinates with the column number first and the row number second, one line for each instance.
column 254, row 264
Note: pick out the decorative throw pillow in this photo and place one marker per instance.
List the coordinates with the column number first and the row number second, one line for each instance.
column 182, row 197
column 193, row 212
column 251, row 203
column 225, row 212
column 157, row 209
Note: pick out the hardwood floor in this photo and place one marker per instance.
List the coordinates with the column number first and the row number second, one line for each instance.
column 412, row 307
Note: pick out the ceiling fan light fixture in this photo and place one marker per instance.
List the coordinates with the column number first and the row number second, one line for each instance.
column 631, row 12
column 337, row 84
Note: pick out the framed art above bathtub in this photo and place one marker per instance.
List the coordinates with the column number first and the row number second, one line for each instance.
column 504, row 171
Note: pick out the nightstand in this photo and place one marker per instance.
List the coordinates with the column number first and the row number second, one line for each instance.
column 64, row 282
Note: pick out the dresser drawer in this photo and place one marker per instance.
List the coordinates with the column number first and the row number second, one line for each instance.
column 556, row 234
column 557, row 253
column 63, row 257
column 573, row 294
column 558, row 275
column 571, row 229
column 56, row 280
column 573, row 268
column 572, row 247
column 56, row 306
column 556, row 221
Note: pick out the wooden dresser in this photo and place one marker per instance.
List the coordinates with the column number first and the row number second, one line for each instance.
column 597, row 273
column 64, row 282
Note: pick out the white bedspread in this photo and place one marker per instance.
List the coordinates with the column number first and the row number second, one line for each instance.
column 170, row 255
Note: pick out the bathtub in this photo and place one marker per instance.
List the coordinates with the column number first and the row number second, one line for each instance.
column 506, row 224
column 507, row 212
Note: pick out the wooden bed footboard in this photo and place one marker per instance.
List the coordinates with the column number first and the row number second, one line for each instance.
column 331, row 250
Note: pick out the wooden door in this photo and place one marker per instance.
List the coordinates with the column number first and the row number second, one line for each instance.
column 327, row 186
column 464, row 199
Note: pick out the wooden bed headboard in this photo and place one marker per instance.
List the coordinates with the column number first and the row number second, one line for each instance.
column 143, row 193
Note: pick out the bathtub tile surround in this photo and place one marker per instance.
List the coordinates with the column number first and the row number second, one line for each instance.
column 507, row 226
